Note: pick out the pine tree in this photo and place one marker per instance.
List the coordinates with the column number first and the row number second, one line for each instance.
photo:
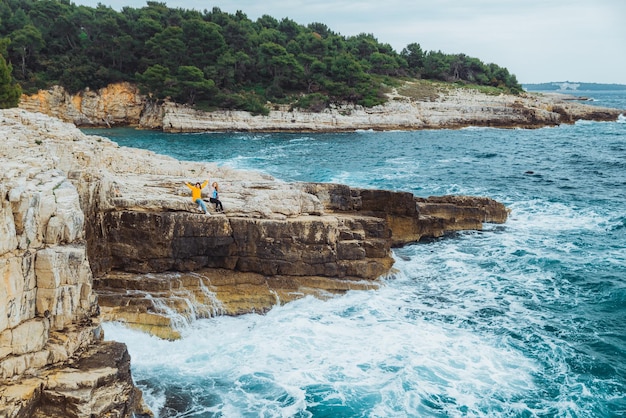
column 10, row 91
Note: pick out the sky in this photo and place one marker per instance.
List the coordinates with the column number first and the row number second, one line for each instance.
column 537, row 40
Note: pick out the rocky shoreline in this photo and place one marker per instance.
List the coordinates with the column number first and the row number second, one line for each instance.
column 443, row 108
column 91, row 231
column 54, row 361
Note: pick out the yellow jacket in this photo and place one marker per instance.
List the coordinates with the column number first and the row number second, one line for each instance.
column 196, row 193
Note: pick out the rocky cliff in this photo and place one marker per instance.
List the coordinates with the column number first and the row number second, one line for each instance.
column 409, row 107
column 92, row 231
column 54, row 361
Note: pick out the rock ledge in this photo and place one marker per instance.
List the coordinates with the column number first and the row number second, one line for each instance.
column 92, row 231
column 122, row 105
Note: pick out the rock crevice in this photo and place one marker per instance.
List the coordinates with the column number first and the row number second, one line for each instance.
column 51, row 342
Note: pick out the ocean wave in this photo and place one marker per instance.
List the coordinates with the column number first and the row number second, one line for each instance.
column 615, row 224
column 541, row 217
column 476, row 128
column 302, row 139
column 308, row 355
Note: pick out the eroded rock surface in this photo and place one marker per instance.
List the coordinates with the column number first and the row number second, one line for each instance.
column 122, row 104
column 49, row 316
column 81, row 216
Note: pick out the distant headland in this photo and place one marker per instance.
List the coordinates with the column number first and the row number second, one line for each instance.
column 568, row 86
column 413, row 104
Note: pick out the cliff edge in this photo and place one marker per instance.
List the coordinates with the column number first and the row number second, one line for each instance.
column 90, row 231
column 54, row 361
column 413, row 105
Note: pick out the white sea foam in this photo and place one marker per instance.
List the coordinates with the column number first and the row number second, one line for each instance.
column 343, row 177
column 480, row 323
column 476, row 128
column 253, row 137
column 363, row 344
column 302, row 139
column 542, row 218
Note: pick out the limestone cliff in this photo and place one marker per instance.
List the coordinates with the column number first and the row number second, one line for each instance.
column 53, row 359
column 409, row 107
column 81, row 216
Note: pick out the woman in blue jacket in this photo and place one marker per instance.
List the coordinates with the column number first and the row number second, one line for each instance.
column 215, row 198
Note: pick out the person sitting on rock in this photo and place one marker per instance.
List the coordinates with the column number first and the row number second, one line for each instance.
column 215, row 198
column 196, row 195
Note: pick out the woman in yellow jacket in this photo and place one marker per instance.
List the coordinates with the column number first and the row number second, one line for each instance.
column 196, row 194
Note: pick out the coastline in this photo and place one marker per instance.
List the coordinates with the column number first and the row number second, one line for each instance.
column 76, row 198
column 84, row 221
column 447, row 108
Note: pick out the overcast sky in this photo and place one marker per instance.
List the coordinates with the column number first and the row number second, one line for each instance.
column 537, row 40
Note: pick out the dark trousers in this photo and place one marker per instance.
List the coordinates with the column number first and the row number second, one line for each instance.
column 218, row 204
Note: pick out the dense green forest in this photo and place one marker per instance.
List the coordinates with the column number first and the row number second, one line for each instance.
column 212, row 59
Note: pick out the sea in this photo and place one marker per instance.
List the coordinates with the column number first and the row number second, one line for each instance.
column 522, row 319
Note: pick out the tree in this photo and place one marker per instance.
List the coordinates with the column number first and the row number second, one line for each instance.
column 282, row 66
column 25, row 42
column 436, row 66
column 153, row 80
column 414, row 57
column 204, row 42
column 384, row 64
column 363, row 45
column 10, row 91
column 168, row 47
column 190, row 84
column 346, row 69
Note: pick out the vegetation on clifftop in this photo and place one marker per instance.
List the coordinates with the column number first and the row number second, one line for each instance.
column 10, row 91
column 212, row 59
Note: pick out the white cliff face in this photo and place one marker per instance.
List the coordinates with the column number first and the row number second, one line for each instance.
column 48, row 309
column 41, row 244
column 46, row 280
column 443, row 107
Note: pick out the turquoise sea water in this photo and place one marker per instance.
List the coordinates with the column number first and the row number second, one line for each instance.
column 525, row 319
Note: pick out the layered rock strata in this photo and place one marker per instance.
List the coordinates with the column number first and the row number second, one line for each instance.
column 82, row 216
column 53, row 359
column 122, row 105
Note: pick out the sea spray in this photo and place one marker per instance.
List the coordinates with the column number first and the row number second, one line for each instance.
column 364, row 351
column 523, row 319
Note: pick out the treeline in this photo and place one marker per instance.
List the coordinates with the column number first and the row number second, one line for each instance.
column 215, row 59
